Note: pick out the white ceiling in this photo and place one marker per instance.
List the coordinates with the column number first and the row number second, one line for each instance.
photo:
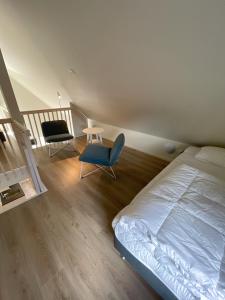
column 155, row 66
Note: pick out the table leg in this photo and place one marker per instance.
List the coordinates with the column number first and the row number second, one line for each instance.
column 89, row 138
column 100, row 138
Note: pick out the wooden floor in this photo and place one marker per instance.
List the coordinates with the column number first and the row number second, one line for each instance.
column 60, row 245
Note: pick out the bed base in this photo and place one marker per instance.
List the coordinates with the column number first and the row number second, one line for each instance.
column 144, row 272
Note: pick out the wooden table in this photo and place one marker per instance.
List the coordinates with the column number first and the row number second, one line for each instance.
column 92, row 132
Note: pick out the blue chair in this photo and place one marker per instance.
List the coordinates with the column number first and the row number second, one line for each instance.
column 102, row 157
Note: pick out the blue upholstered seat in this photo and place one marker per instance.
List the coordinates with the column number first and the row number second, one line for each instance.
column 96, row 154
column 101, row 155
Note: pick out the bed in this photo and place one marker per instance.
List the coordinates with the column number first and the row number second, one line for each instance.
column 173, row 232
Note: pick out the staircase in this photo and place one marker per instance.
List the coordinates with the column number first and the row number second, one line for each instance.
column 17, row 163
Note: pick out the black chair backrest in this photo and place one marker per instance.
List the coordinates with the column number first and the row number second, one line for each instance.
column 117, row 148
column 54, row 127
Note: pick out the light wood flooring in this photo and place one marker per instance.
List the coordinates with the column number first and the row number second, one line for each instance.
column 60, row 245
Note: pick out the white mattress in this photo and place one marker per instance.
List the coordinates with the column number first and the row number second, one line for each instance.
column 176, row 225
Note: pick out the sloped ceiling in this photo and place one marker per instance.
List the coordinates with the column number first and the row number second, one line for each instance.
column 155, row 66
column 27, row 65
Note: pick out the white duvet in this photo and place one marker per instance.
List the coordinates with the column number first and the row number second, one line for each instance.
column 180, row 221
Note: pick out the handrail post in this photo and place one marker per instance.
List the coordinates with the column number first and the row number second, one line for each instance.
column 24, row 142
column 32, row 164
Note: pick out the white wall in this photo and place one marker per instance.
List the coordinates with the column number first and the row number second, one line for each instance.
column 3, row 113
column 143, row 142
column 2, row 102
column 25, row 98
column 25, row 62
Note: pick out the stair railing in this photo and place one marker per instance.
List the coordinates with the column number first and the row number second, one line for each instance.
column 17, row 161
column 23, row 138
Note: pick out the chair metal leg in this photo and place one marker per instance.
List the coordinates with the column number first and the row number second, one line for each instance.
column 89, row 173
column 98, row 168
column 51, row 154
column 49, row 150
column 72, row 143
column 114, row 175
column 81, row 169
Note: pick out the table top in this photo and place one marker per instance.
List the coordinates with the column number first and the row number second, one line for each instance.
column 93, row 130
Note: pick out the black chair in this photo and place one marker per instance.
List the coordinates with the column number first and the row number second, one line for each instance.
column 55, row 132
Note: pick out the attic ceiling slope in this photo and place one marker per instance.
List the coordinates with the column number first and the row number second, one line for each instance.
column 155, row 66
column 25, row 62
